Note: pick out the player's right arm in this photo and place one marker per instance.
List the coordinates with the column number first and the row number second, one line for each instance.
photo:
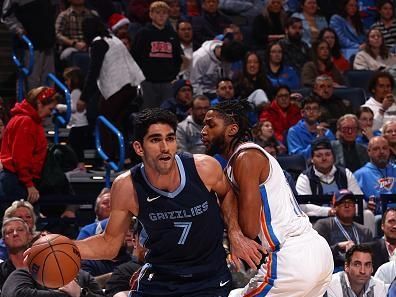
column 123, row 205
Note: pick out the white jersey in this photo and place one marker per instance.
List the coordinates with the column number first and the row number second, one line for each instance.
column 281, row 216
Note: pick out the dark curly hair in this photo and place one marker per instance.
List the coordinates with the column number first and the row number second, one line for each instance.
column 235, row 112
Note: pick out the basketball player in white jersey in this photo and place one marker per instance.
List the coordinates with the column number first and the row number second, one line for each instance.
column 299, row 262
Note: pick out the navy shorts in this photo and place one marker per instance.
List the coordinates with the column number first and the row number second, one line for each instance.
column 152, row 284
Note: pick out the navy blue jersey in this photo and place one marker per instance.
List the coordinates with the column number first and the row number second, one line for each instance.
column 184, row 228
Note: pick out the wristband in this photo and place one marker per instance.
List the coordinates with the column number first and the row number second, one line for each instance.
column 74, row 43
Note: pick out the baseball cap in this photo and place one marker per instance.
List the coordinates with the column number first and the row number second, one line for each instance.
column 341, row 195
column 177, row 85
column 320, row 143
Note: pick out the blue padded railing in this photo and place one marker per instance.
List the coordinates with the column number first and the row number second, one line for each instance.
column 101, row 120
column 60, row 119
column 24, row 71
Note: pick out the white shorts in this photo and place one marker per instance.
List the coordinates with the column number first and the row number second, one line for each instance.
column 302, row 268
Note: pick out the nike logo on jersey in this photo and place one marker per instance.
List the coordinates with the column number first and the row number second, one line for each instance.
column 222, row 284
column 151, row 199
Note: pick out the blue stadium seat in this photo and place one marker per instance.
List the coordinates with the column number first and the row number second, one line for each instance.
column 359, row 79
column 294, row 164
column 357, row 96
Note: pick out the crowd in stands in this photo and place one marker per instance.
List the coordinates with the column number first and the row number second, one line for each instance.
column 292, row 60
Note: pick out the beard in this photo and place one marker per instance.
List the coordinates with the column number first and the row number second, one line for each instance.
column 217, row 146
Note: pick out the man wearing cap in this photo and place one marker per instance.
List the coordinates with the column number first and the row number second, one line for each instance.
column 323, row 177
column 180, row 104
column 340, row 231
column 68, row 28
column 119, row 25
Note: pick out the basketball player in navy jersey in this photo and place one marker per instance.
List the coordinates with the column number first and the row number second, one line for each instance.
column 299, row 260
column 175, row 197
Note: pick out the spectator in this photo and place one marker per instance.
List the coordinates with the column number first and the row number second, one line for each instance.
column 16, row 236
column 185, row 34
column 331, row 106
column 337, row 57
column 312, row 22
column 387, row 273
column 191, row 8
column 389, row 132
column 377, row 176
column 78, row 124
column 102, row 211
column 115, row 73
column 212, row 62
column 269, row 26
column 323, row 177
column 20, row 283
column 282, row 113
column 340, row 231
column 375, row 55
column 301, row 135
column 279, row 73
column 156, row 46
column 296, row 51
column 321, row 64
column 382, row 102
column 386, row 23
column 224, row 91
column 24, row 210
column 366, row 120
column 356, row 280
column 180, row 102
column 68, row 29
column 384, row 247
column 174, row 13
column 349, row 28
column 24, row 145
column 119, row 25
column 210, row 23
column 188, row 133
column 139, row 11
column 252, row 81
column 264, row 136
column 348, row 152
column 36, row 20
column 368, row 12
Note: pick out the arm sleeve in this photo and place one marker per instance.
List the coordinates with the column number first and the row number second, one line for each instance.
column 302, row 186
column 21, row 284
column 181, row 139
column 98, row 52
column 295, row 145
column 336, row 22
column 59, row 29
column 353, row 185
column 9, row 18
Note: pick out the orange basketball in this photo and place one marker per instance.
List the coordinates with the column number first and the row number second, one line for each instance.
column 54, row 260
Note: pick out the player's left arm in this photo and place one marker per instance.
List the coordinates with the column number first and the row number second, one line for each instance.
column 241, row 247
column 250, row 169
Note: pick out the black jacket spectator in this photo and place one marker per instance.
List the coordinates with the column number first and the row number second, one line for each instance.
column 158, row 53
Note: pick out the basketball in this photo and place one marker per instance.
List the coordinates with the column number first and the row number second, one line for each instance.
column 54, row 260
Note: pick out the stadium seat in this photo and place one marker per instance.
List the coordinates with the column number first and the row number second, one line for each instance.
column 294, row 164
column 356, row 96
column 359, row 79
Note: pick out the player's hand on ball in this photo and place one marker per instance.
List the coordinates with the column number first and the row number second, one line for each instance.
column 243, row 248
column 73, row 289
